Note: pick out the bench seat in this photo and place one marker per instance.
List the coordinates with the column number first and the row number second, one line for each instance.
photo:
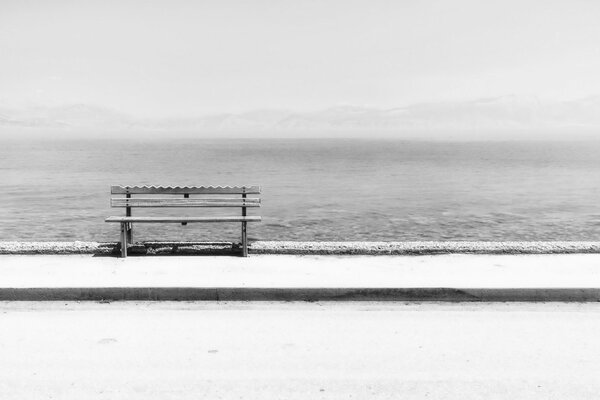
column 250, row 218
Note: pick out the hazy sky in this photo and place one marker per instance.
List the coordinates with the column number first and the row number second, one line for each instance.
column 161, row 58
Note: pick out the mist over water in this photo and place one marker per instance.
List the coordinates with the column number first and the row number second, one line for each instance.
column 312, row 189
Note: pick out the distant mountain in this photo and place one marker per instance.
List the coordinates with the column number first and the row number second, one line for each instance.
column 70, row 116
column 506, row 112
column 257, row 119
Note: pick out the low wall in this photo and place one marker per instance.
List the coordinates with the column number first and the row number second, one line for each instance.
column 306, row 248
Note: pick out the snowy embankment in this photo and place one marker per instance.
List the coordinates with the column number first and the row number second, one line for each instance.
column 315, row 248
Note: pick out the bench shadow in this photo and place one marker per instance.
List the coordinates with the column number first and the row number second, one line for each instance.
column 167, row 249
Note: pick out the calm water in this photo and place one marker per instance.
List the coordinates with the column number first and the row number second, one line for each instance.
column 313, row 190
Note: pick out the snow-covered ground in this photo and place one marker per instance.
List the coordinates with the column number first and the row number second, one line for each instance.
column 160, row 350
column 309, row 271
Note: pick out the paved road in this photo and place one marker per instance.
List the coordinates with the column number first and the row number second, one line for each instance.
column 299, row 351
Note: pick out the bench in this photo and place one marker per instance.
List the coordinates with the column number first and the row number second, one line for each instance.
column 167, row 196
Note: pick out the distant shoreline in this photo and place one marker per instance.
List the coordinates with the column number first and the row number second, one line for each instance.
column 304, row 248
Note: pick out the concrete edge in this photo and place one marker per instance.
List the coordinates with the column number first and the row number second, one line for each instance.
column 302, row 248
column 302, row 294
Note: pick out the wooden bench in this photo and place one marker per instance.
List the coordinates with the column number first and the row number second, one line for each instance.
column 161, row 196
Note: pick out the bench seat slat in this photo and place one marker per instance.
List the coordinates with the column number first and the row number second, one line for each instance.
column 185, row 189
column 250, row 218
column 186, row 202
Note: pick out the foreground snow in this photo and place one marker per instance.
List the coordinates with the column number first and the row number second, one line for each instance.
column 298, row 350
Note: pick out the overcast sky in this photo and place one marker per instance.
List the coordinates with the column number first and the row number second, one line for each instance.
column 162, row 58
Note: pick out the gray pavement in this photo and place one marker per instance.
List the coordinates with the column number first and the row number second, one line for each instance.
column 165, row 350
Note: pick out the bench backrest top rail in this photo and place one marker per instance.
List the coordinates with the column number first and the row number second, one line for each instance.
column 189, row 202
column 184, row 189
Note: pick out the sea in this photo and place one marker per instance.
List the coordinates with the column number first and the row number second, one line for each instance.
column 312, row 189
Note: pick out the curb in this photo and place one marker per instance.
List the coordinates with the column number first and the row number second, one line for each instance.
column 302, row 294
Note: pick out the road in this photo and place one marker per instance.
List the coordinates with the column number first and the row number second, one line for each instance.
column 241, row 350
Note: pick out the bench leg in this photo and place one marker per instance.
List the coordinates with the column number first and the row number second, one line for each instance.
column 123, row 239
column 244, row 240
column 129, row 232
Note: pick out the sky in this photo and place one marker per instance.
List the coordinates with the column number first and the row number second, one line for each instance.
column 175, row 58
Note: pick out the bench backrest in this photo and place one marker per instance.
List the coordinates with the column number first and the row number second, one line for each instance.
column 165, row 196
